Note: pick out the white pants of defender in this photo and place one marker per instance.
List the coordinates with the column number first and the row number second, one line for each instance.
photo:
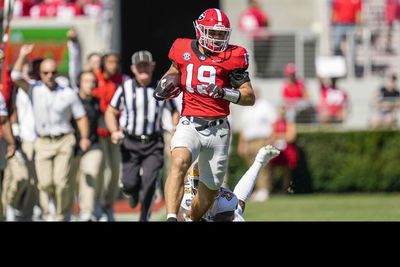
column 210, row 146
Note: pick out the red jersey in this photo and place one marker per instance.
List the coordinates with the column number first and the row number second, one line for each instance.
column 104, row 92
column 289, row 155
column 293, row 91
column 345, row 10
column 392, row 9
column 70, row 9
column 253, row 20
column 332, row 99
column 198, row 71
column 280, row 126
column 49, row 9
column 23, row 7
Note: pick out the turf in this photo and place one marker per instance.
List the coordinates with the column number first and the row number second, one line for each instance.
column 326, row 207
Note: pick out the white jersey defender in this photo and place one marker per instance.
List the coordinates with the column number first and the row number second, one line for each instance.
column 228, row 205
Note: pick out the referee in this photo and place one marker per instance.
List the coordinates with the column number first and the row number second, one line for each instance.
column 139, row 131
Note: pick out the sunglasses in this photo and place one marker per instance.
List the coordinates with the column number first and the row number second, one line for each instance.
column 48, row 72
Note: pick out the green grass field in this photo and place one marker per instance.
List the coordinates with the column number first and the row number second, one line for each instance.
column 326, row 207
column 314, row 207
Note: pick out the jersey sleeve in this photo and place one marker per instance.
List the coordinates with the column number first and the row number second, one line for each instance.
column 173, row 52
column 241, row 59
column 239, row 65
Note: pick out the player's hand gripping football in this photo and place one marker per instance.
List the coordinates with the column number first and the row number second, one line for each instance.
column 214, row 91
column 168, row 87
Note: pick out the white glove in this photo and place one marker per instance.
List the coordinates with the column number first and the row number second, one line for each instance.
column 266, row 153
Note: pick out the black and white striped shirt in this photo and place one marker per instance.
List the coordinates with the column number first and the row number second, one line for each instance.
column 141, row 112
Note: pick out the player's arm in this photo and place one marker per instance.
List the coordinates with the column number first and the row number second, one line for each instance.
column 247, row 97
column 241, row 93
column 172, row 69
column 166, row 88
column 175, row 120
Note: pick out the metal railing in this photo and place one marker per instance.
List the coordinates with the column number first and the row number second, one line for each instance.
column 271, row 54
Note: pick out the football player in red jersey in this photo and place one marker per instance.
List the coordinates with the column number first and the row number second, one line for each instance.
column 213, row 74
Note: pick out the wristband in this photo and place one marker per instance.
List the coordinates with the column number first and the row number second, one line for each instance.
column 232, row 95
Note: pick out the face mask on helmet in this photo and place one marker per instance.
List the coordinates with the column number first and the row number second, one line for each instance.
column 213, row 30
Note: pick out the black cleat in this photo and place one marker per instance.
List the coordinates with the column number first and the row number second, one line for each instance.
column 172, row 219
column 133, row 201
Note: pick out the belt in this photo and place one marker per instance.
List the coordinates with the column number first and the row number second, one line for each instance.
column 144, row 139
column 53, row 136
column 204, row 123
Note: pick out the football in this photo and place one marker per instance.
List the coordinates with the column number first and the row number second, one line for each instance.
column 171, row 80
column 171, row 85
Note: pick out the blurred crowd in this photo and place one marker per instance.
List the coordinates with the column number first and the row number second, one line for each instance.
column 277, row 123
column 57, row 8
column 58, row 153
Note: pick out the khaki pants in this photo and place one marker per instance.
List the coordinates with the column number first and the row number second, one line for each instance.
column 53, row 163
column 110, row 172
column 86, row 172
column 20, row 182
column 263, row 181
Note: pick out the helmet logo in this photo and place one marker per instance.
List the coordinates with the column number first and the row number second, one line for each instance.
column 186, row 56
column 202, row 16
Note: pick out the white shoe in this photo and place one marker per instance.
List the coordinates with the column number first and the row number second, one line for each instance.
column 266, row 153
column 261, row 195
column 10, row 214
column 103, row 218
column 87, row 217
column 52, row 208
column 37, row 213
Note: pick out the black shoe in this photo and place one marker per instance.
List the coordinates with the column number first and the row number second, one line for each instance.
column 133, row 201
column 172, row 219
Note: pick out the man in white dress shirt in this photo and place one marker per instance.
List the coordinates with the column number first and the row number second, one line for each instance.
column 53, row 107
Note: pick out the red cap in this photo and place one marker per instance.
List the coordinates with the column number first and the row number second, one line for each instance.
column 290, row 69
